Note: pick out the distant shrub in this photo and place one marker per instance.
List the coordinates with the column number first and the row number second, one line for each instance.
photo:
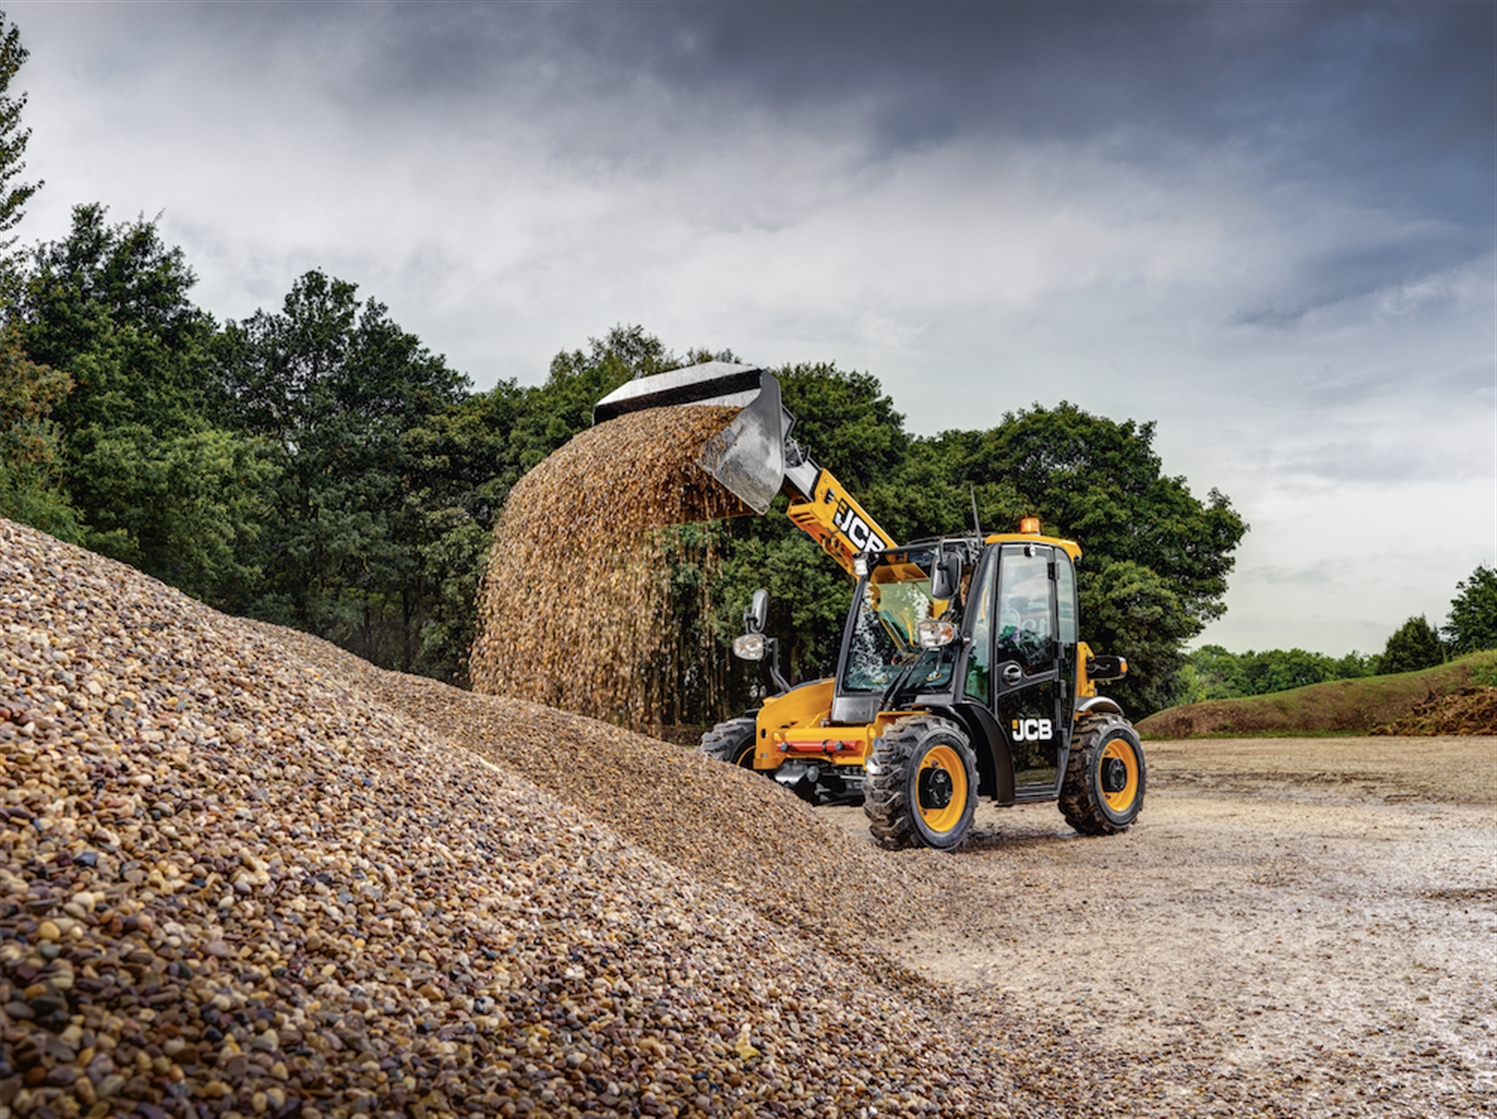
column 1412, row 646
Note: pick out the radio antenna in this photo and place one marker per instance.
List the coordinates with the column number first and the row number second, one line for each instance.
column 976, row 525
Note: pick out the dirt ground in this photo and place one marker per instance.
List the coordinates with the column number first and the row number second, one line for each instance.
column 1320, row 913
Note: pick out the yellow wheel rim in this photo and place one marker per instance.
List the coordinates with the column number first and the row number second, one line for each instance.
column 1114, row 753
column 941, row 788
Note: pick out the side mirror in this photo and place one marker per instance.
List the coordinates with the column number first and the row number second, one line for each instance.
column 757, row 612
column 754, row 645
column 1106, row 668
column 946, row 576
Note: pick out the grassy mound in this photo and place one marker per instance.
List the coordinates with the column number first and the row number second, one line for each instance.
column 1335, row 707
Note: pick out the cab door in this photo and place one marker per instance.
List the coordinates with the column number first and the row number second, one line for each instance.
column 1030, row 689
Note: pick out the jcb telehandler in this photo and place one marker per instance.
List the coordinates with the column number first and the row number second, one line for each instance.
column 961, row 672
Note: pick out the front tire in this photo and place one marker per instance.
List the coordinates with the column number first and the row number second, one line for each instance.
column 921, row 786
column 1103, row 792
column 731, row 742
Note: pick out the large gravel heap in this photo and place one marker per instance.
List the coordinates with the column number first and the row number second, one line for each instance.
column 236, row 879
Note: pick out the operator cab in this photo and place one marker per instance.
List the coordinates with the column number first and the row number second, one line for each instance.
column 982, row 628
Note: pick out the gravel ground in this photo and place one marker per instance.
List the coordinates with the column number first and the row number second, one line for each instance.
column 1314, row 919
column 244, row 873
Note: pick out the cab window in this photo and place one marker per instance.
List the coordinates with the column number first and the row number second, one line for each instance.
column 980, row 654
column 1024, row 606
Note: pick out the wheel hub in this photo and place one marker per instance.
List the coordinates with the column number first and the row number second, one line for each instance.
column 1114, row 775
column 936, row 788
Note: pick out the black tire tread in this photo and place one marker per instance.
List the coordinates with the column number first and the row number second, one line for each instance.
column 727, row 742
column 1080, row 803
column 886, row 793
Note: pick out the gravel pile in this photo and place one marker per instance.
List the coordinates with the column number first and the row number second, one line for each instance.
column 233, row 882
column 728, row 826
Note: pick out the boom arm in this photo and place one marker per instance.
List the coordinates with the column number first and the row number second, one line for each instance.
column 822, row 508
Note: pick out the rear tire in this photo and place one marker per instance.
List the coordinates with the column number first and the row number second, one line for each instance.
column 1103, row 791
column 921, row 785
column 731, row 742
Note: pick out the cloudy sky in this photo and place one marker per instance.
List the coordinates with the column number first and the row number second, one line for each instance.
column 1266, row 226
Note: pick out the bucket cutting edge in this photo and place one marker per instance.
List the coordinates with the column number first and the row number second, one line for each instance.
column 748, row 456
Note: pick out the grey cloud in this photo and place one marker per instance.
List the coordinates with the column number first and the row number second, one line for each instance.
column 1322, row 573
column 1325, row 75
column 1357, row 266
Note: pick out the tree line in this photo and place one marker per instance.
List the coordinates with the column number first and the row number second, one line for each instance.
column 320, row 467
column 1211, row 672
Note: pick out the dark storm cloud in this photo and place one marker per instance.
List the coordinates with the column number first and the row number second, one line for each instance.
column 1365, row 83
column 1360, row 86
column 1384, row 106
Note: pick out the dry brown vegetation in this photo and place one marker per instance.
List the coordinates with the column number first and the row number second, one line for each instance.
column 1468, row 711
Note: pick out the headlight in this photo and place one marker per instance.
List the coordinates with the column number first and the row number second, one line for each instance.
column 749, row 647
column 934, row 633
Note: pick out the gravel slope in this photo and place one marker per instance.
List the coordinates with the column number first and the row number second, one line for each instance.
column 234, row 884
column 244, row 873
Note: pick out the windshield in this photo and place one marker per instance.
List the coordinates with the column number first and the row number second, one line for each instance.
column 883, row 650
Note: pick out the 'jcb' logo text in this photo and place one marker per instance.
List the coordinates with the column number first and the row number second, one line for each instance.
column 857, row 530
column 1032, row 730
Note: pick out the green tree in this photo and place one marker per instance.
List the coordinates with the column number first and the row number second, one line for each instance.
column 110, row 304
column 1155, row 558
column 13, row 138
column 1472, row 623
column 152, row 481
column 1414, row 645
column 186, row 505
column 31, row 455
column 463, row 462
column 1211, row 672
column 334, row 387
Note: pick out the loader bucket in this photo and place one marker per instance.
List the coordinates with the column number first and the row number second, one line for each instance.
column 748, row 456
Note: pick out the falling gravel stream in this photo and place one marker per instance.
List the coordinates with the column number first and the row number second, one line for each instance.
column 576, row 608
